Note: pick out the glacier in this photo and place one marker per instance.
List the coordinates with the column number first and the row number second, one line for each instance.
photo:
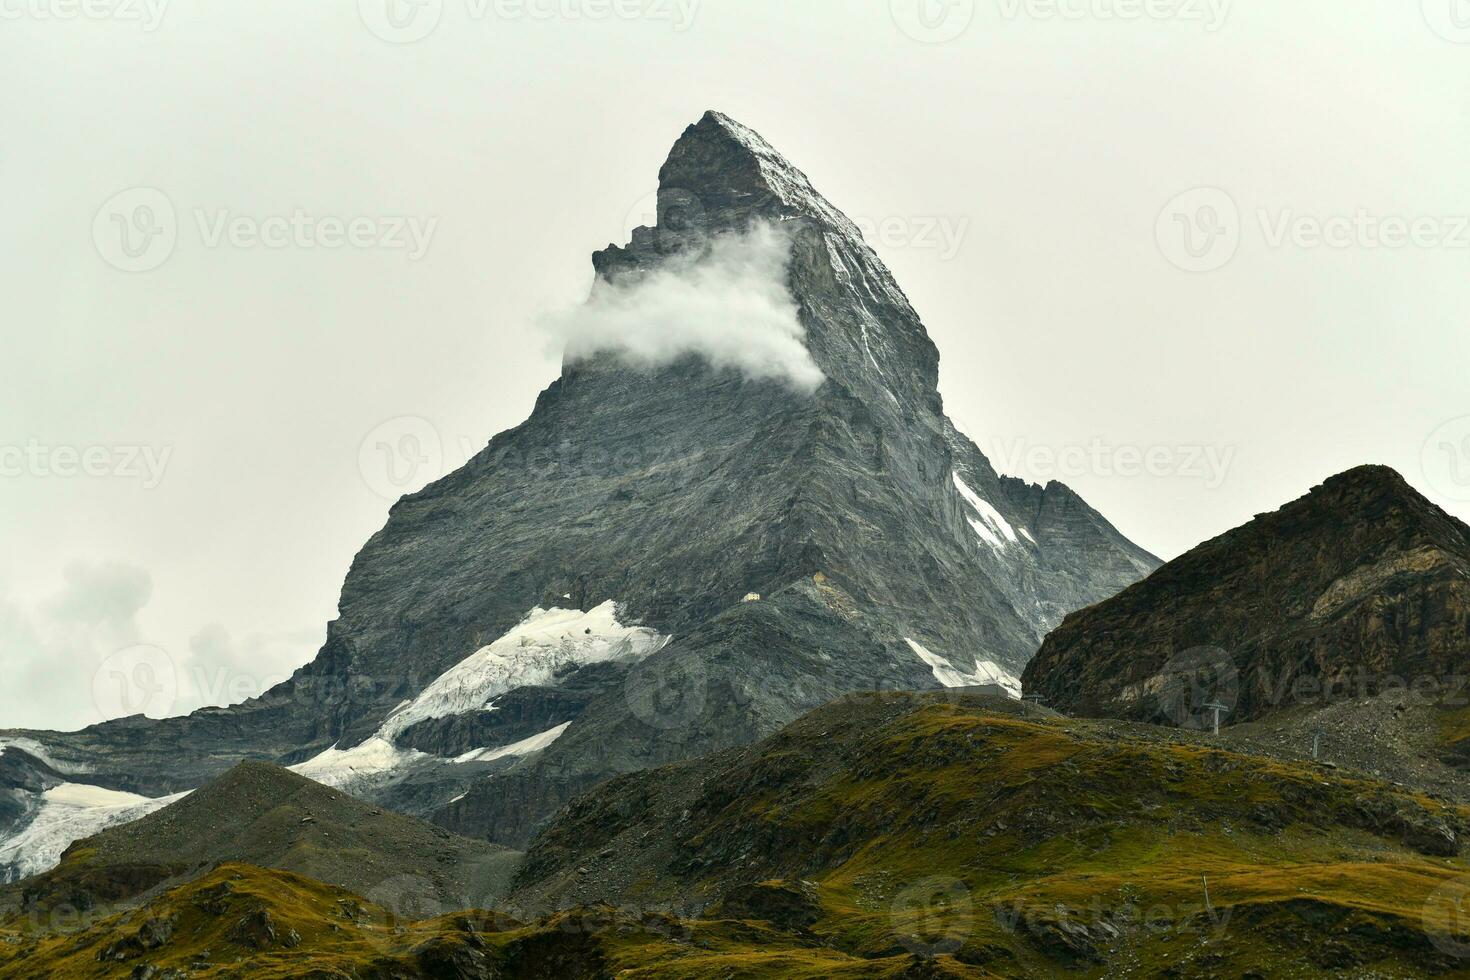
column 985, row 672
column 534, row 652
column 67, row 813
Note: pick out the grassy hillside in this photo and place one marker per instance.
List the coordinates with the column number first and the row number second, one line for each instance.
column 242, row 921
column 1026, row 843
column 881, row 836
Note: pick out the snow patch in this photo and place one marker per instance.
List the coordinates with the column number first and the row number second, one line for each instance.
column 378, row 761
column 545, row 643
column 84, row 795
column 524, row 747
column 985, row 672
column 68, row 813
column 535, row 651
column 360, row 766
column 986, row 535
column 1027, row 535
column 993, row 521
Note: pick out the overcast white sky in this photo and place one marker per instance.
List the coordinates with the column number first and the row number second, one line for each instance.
column 1017, row 167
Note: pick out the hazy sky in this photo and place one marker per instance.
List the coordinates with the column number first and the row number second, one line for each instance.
column 255, row 253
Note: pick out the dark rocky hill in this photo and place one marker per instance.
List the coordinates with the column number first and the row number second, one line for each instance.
column 1360, row 586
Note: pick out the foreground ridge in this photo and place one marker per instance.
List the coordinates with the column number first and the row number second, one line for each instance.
column 902, row 835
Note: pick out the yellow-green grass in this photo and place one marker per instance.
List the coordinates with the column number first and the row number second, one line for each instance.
column 974, row 844
column 1024, row 818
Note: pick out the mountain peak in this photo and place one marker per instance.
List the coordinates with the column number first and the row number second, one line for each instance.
column 722, row 175
column 1371, row 479
column 1369, row 473
column 1377, row 496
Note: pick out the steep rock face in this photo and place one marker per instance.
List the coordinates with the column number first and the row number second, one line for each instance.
column 1358, row 586
column 857, row 512
column 1062, row 550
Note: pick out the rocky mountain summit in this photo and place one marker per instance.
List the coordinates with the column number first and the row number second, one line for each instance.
column 1359, row 587
column 664, row 560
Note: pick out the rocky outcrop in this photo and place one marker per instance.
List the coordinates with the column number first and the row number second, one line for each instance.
column 1359, row 587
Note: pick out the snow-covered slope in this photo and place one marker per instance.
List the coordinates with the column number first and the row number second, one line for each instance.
column 67, row 813
column 985, row 672
column 546, row 643
column 543, row 646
